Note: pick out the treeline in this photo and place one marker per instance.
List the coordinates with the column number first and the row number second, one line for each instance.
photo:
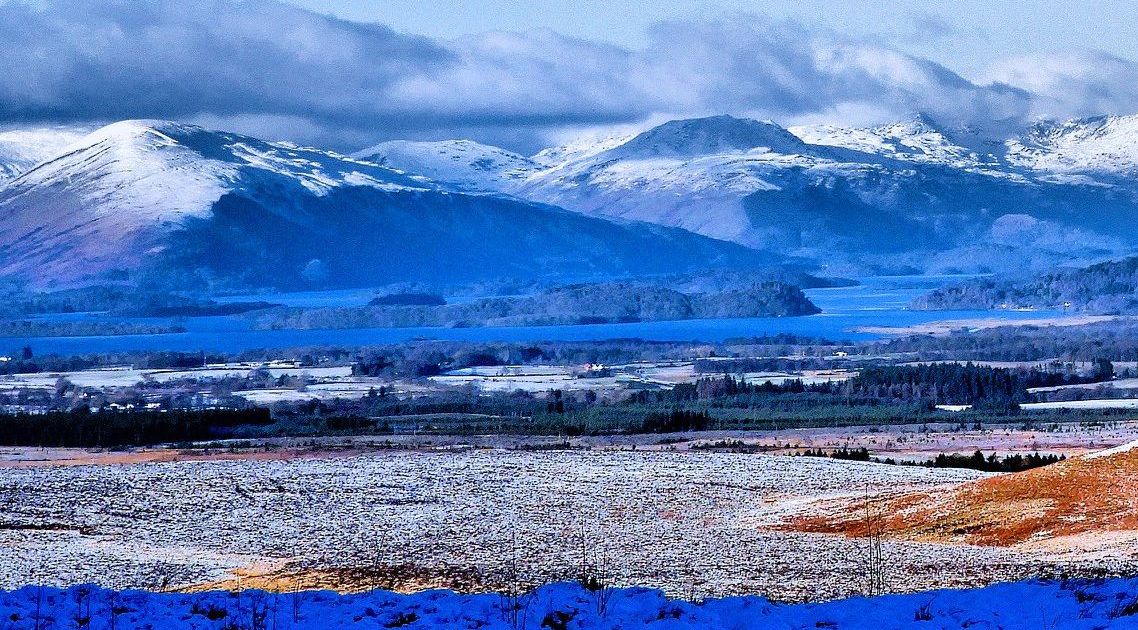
column 109, row 429
column 676, row 421
column 429, row 358
column 1109, row 287
column 925, row 384
column 992, row 463
column 1114, row 340
column 575, row 304
column 24, row 361
column 83, row 328
column 399, row 359
column 953, row 383
column 119, row 300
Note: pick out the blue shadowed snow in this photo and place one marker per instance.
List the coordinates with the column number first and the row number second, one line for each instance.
column 1017, row 606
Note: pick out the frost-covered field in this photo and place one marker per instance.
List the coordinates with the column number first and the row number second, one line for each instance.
column 1105, row 403
column 685, row 522
column 1020, row 606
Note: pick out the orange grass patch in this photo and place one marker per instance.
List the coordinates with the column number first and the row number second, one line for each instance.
column 1078, row 496
column 397, row 578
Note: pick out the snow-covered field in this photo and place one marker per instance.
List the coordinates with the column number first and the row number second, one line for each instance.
column 129, row 376
column 682, row 521
column 1105, row 403
column 1018, row 606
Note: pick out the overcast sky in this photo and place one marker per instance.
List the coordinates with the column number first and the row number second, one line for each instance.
column 965, row 34
column 349, row 73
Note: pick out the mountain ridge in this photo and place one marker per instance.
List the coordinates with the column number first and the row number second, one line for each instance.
column 940, row 198
column 176, row 203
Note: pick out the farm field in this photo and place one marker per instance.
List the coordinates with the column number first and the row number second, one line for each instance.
column 329, row 382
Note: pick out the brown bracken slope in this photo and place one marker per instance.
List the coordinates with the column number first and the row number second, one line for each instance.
column 1083, row 495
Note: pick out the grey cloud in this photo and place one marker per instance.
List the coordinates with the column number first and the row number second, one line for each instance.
column 1072, row 84
column 166, row 58
column 271, row 69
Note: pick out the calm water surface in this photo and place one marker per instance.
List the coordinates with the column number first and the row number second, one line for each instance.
column 876, row 302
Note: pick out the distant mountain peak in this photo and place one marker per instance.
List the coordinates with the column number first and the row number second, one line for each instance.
column 918, row 124
column 709, row 136
column 1099, row 144
column 463, row 164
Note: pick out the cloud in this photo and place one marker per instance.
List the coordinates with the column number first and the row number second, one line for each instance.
column 271, row 69
column 112, row 59
column 743, row 65
column 1072, row 84
column 932, row 26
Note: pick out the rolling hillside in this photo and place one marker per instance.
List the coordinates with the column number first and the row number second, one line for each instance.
column 178, row 206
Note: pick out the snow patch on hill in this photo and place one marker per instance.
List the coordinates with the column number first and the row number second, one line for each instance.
column 716, row 135
column 464, row 164
column 913, row 192
column 23, row 148
column 1105, row 144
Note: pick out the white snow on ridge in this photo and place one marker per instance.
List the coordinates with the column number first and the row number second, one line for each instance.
column 107, row 198
column 915, row 140
column 129, row 168
column 165, row 170
column 23, row 148
column 465, row 164
column 580, row 148
column 1106, row 144
column 695, row 174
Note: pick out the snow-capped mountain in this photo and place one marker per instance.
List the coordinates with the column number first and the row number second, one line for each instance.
column 23, row 148
column 1102, row 145
column 108, row 200
column 179, row 205
column 910, row 193
column 463, row 164
column 717, row 135
column 919, row 139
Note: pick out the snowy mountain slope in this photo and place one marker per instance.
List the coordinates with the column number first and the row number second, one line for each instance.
column 699, row 175
column 901, row 194
column 107, row 200
column 23, row 148
column 181, row 206
column 715, row 135
column 462, row 164
column 580, row 148
column 1103, row 145
column 919, row 139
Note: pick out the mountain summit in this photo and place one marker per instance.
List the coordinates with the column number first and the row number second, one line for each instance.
column 915, row 193
column 181, row 206
column 710, row 136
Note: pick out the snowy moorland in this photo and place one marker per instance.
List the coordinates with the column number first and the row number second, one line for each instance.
column 702, row 522
column 1013, row 606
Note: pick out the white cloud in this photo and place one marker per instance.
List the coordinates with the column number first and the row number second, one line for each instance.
column 1072, row 84
column 272, row 69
